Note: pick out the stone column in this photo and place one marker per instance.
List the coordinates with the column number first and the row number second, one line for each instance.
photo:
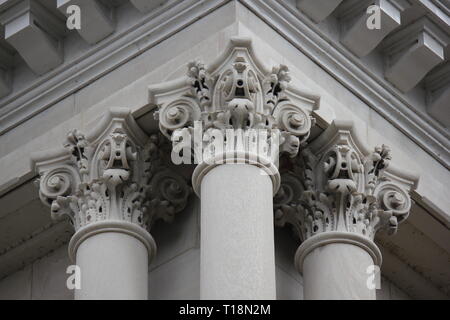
column 237, row 246
column 335, row 266
column 233, row 119
column 113, row 257
column 336, row 198
column 112, row 184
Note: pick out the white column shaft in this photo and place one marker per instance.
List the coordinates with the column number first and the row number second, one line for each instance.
column 113, row 265
column 237, row 240
column 337, row 271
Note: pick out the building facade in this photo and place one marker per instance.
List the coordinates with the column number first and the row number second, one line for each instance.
column 217, row 149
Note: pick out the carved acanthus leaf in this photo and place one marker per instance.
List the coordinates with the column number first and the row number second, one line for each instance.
column 236, row 94
column 113, row 177
column 339, row 190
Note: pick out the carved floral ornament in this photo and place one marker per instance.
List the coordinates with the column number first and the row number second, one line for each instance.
column 331, row 185
column 234, row 110
column 337, row 189
column 115, row 174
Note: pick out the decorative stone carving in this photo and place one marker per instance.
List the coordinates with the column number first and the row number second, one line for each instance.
column 437, row 84
column 337, row 185
column 115, row 173
column 236, row 95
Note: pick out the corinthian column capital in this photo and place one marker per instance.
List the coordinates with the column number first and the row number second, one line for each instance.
column 340, row 191
column 234, row 111
column 112, row 179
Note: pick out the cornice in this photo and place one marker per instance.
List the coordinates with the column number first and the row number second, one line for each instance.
column 438, row 11
column 337, row 191
column 379, row 94
column 296, row 28
column 101, row 59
